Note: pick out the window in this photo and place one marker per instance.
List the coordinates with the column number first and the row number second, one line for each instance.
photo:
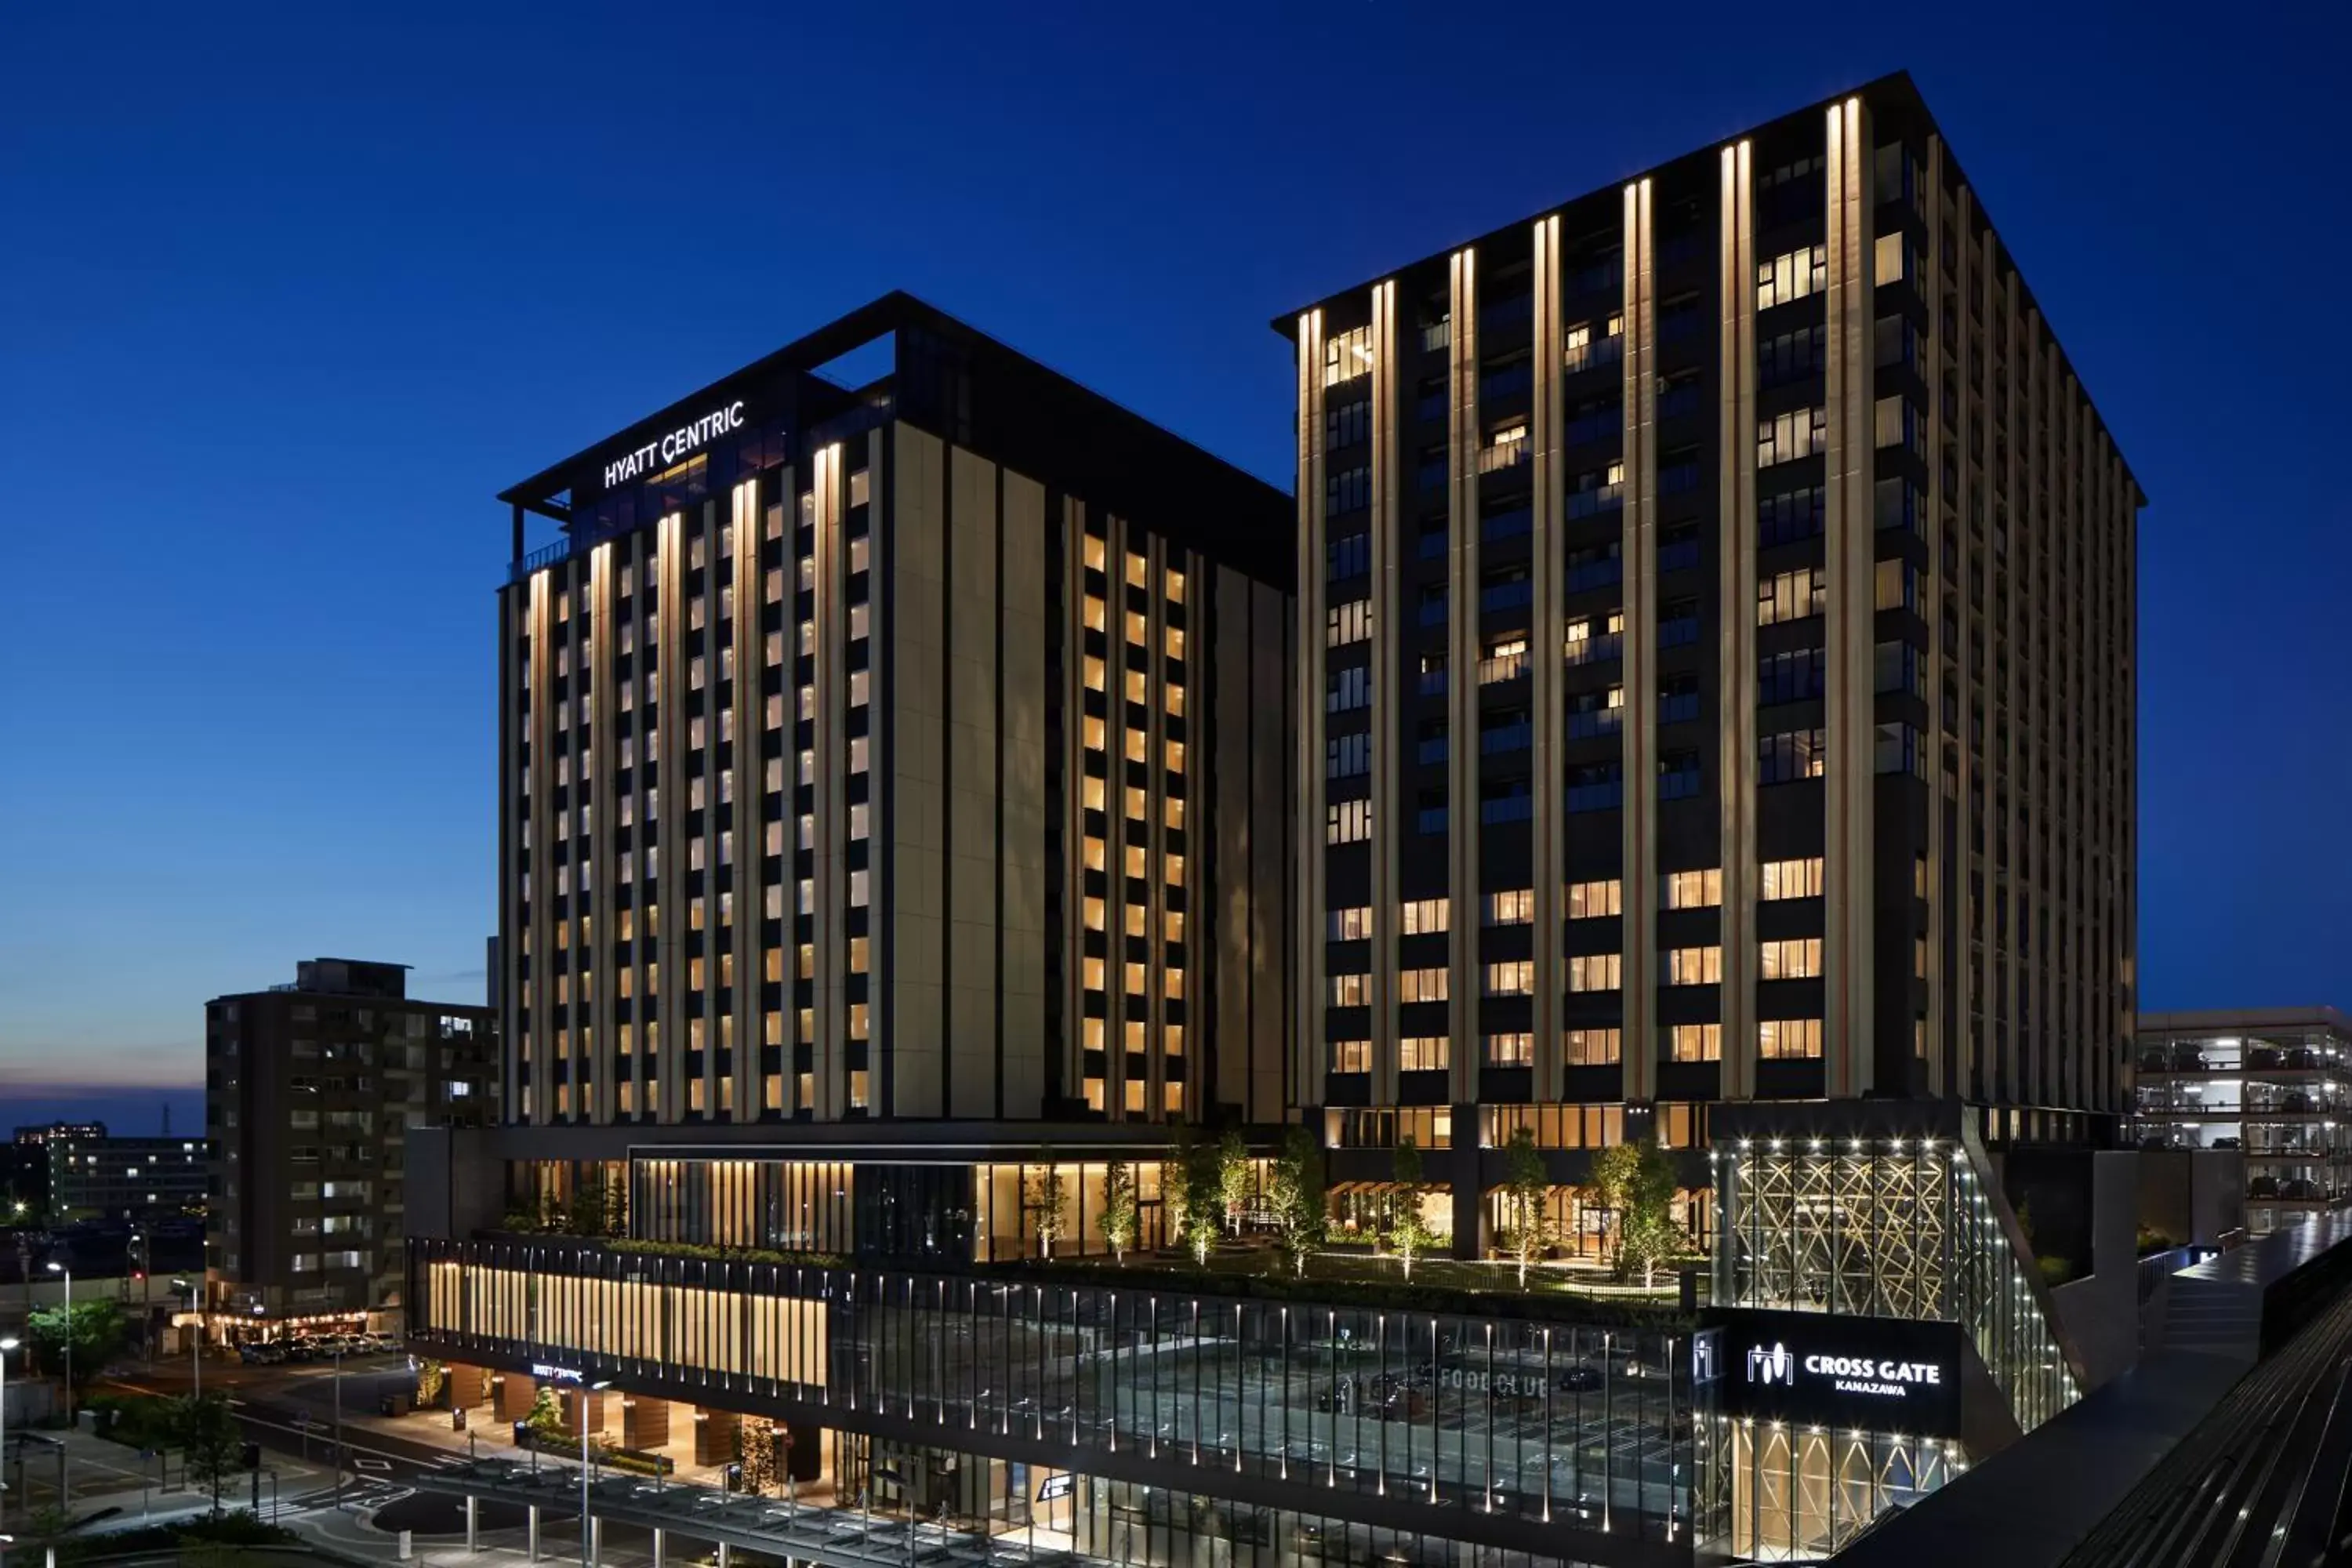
column 1888, row 262
column 1792, row 275
column 1351, row 1055
column 1788, row 437
column 1349, row 490
column 1693, row 890
column 1791, row 596
column 1349, row 990
column 1898, row 585
column 1350, row 622
column 1346, row 756
column 1423, row 1053
column 1792, row 880
column 1695, row 965
column 1348, row 821
column 1350, row 924
column 1695, row 1043
column 1798, row 958
column 1421, row 986
column 1350, row 555
column 1516, row 907
column 1516, row 977
column 1593, row 901
column 1349, row 689
column 1791, row 355
column 1791, row 755
column 1510, row 1050
column 1796, row 676
column 1784, row 1039
column 1594, row 971
column 1425, row 915
column 1348, row 424
column 1347, row 355
column 1792, row 515
column 1590, row 1047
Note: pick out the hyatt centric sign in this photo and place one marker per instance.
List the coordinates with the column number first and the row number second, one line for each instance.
column 1881, row 1373
column 674, row 447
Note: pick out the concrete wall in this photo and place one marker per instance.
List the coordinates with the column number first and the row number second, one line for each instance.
column 2193, row 1196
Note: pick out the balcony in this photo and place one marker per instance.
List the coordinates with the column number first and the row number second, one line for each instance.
column 1597, row 499
column 1507, row 450
column 1591, row 355
column 1515, row 737
column 1585, row 723
column 1498, row 667
column 1601, row 649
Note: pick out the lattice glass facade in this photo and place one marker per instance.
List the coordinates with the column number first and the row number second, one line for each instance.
column 1776, row 1491
column 1887, row 1228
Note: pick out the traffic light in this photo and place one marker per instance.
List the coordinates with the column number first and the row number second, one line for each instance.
column 253, row 1456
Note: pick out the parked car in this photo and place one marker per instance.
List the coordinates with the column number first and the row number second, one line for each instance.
column 2225, row 1143
column 2263, row 1187
column 2301, row 1188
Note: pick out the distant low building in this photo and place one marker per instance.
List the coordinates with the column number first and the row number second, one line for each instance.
column 310, row 1090
column 94, row 1176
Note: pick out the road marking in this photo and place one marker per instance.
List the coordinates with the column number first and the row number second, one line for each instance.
column 372, row 1465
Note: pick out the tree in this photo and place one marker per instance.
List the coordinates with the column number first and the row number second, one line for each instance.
column 1235, row 1185
column 1409, row 1232
column 95, row 1331
column 1527, row 1199
column 207, row 1430
column 546, row 1420
column 1636, row 1182
column 1120, row 1212
column 755, row 1450
column 1048, row 1204
column 432, row 1377
column 1203, row 1178
column 1296, row 1195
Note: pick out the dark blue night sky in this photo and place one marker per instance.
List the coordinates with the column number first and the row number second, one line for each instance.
column 289, row 296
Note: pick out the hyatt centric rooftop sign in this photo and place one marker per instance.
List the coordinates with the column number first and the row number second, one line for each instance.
column 664, row 451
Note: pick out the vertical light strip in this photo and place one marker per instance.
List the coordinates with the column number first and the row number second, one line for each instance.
column 1461, row 698
column 743, row 876
column 1388, row 817
column 1309, row 1065
column 1114, row 661
column 1074, row 821
column 2012, row 886
column 1848, row 949
column 1972, row 1072
column 1153, row 830
column 668, row 887
column 1999, row 1050
column 831, row 959
column 514, row 675
column 2028, row 653
column 1736, row 771
column 593, row 951
column 1638, row 865
column 1547, row 654
column 540, row 1043
column 1942, row 1079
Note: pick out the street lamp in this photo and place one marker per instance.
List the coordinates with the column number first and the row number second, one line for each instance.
column 6, row 1346
column 587, row 1525
column 56, row 1267
column 196, row 1339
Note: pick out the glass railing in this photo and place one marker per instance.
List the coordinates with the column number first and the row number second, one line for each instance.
column 1507, row 738
column 1512, row 524
column 1508, row 454
column 1586, row 722
column 1598, row 500
column 1593, row 355
column 1598, row 649
column 1507, row 595
column 1497, row 668
column 1508, row 808
column 1596, row 573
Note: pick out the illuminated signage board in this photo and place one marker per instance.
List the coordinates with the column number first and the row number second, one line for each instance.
column 1882, row 1373
column 674, row 447
column 546, row 1373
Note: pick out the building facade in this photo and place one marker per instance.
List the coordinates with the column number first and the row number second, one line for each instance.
column 1707, row 713
column 310, row 1091
column 109, row 1178
column 2272, row 1083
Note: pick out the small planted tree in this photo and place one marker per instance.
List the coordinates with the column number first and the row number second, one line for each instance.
column 1635, row 1182
column 207, row 1430
column 755, row 1450
column 1526, row 1191
column 1204, row 1186
column 1048, row 1204
column 1121, row 1215
column 1408, row 1233
column 94, row 1330
column 1300, row 1215
column 1234, row 1186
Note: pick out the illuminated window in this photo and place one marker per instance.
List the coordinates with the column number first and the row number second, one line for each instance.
column 1175, row 642
column 1792, row 275
column 1590, row 1047
column 1348, row 821
column 1093, row 853
column 1798, row 958
column 1134, row 911
column 1175, row 811
column 1695, row 1043
column 1425, row 915
column 1175, row 586
column 1175, row 701
column 1135, row 981
column 1594, row 901
column 1594, row 971
column 1171, row 1039
column 1782, row 1039
column 858, row 1094
column 1791, row 596
column 1094, row 673
column 1349, row 990
column 1349, row 925
column 1135, row 1087
column 1094, row 552
column 1514, row 977
column 1135, row 861
column 1351, row 1055
column 1094, row 911
column 1135, row 685
column 1347, row 355
column 1175, row 925
column 1171, row 1097
column 1135, row 745
column 1094, row 613
column 1350, row 622
column 1423, row 1053
column 1511, row 907
column 1091, row 793
column 1421, row 986
column 1135, row 804
column 1514, row 1050
column 1136, row 569
column 1695, row 965
column 1093, row 973
column 1135, row 627
column 1175, row 756
column 1693, row 890
column 1171, row 981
